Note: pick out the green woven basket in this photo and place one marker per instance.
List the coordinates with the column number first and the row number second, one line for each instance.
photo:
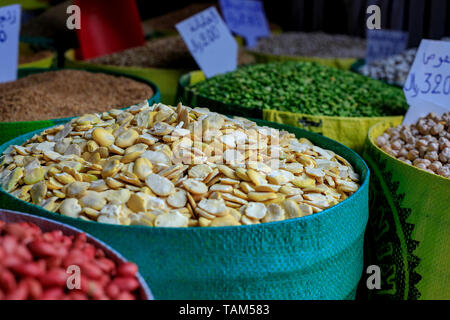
column 313, row 257
column 409, row 226
column 10, row 130
column 350, row 131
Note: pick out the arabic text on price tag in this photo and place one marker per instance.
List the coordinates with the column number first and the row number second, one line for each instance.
column 210, row 42
column 246, row 18
column 385, row 43
column 9, row 42
column 428, row 85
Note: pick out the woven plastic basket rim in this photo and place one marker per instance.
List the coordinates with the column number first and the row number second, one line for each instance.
column 207, row 99
column 286, row 56
column 371, row 138
column 71, row 52
column 320, row 215
column 144, row 287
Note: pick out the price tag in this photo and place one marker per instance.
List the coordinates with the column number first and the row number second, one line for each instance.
column 427, row 88
column 210, row 42
column 385, row 43
column 246, row 18
column 9, row 42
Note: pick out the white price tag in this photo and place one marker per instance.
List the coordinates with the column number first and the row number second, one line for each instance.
column 385, row 43
column 427, row 88
column 246, row 18
column 9, row 42
column 210, row 42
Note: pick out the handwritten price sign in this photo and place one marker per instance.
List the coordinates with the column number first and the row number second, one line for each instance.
column 428, row 85
column 385, row 43
column 210, row 42
column 9, row 42
column 246, row 18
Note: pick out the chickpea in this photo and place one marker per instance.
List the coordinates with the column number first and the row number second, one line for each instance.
column 412, row 155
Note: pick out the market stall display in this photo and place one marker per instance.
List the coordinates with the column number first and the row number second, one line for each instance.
column 146, row 173
column 408, row 232
column 162, row 61
column 36, row 254
column 43, row 94
column 339, row 51
column 337, row 103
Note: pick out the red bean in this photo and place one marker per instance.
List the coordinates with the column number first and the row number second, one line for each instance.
column 54, row 278
column 34, row 288
column 43, row 249
column 29, row 269
column 126, row 296
column 105, row 264
column 33, row 265
column 77, row 295
column 23, row 252
column 91, row 270
column 126, row 283
column 52, row 294
column 54, row 262
column 20, row 293
column 112, row 290
column 11, row 261
column 127, row 269
column 9, row 243
column 7, row 280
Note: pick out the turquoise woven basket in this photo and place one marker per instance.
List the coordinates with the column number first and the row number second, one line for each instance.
column 314, row 257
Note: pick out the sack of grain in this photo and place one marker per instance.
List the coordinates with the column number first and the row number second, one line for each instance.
column 43, row 97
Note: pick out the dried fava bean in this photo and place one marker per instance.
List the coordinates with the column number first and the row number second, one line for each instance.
column 70, row 207
column 429, row 135
column 256, row 210
column 126, row 139
column 38, row 192
column 215, row 207
column 142, row 168
column 224, row 221
column 178, row 199
column 195, row 186
column 172, row 219
column 172, row 179
column 77, row 189
column 103, row 137
column 159, row 185
column 93, row 200
column 274, row 213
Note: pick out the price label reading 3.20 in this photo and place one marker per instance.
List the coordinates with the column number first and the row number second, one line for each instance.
column 432, row 82
column 427, row 88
